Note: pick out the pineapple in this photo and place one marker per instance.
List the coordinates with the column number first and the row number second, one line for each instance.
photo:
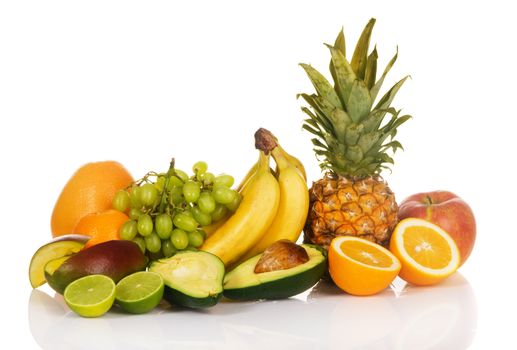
column 352, row 140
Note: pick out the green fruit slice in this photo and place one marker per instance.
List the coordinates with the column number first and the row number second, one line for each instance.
column 242, row 283
column 139, row 292
column 192, row 279
column 57, row 248
column 90, row 296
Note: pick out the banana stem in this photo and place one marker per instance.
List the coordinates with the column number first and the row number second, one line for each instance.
column 263, row 163
column 280, row 159
column 265, row 140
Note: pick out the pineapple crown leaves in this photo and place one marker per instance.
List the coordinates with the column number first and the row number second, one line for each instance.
column 352, row 136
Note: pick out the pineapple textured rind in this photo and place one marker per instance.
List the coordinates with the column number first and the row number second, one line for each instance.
column 364, row 207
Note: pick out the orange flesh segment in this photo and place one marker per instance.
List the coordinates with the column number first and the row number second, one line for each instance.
column 366, row 254
column 427, row 247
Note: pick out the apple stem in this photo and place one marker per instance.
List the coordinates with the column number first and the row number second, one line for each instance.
column 428, row 200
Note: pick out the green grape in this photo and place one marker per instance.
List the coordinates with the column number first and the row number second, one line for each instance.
column 153, row 243
column 185, row 222
column 128, row 230
column 223, row 195
column 160, row 183
column 134, row 213
column 155, row 256
column 181, row 174
column 174, row 181
column 141, row 243
column 176, row 195
column 206, row 178
column 224, row 180
column 202, row 218
column 157, row 201
column 134, row 197
column 199, row 167
column 202, row 232
column 195, row 239
column 179, row 239
column 234, row 204
column 206, row 202
column 121, row 200
column 163, row 225
column 168, row 248
column 148, row 194
column 191, row 191
column 145, row 225
column 219, row 212
column 187, row 212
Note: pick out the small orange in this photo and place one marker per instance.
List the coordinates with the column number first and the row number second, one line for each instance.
column 102, row 227
column 89, row 190
column 361, row 267
column 427, row 253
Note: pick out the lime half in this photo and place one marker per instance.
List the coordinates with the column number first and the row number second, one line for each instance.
column 90, row 296
column 139, row 292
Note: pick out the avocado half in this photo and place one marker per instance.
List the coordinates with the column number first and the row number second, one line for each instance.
column 192, row 279
column 242, row 283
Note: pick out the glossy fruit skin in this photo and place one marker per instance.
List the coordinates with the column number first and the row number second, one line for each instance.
column 251, row 220
column 90, row 190
column 101, row 227
column 176, row 297
column 115, row 259
column 292, row 209
column 447, row 210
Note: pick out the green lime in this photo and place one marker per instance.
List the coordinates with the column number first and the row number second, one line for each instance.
column 90, row 296
column 139, row 292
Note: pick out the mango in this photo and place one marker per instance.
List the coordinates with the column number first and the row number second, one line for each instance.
column 115, row 259
column 57, row 248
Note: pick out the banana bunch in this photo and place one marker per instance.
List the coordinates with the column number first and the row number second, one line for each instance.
column 274, row 206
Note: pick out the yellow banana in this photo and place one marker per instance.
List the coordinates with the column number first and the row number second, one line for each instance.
column 253, row 217
column 241, row 188
column 293, row 207
column 293, row 160
column 214, row 226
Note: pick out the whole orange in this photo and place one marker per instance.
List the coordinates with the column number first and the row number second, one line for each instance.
column 102, row 227
column 90, row 190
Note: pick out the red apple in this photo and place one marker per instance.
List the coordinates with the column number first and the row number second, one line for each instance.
column 446, row 210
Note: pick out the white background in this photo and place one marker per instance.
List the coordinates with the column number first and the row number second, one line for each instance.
column 141, row 82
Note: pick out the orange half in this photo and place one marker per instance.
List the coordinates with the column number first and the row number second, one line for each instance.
column 427, row 253
column 361, row 267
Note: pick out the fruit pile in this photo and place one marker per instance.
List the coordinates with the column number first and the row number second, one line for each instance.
column 192, row 239
column 168, row 210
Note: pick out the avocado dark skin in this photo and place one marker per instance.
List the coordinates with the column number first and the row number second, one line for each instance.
column 115, row 259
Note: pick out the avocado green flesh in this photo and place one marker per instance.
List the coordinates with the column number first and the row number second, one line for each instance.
column 192, row 279
column 244, row 284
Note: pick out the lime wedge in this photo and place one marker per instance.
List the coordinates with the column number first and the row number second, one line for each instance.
column 139, row 292
column 90, row 296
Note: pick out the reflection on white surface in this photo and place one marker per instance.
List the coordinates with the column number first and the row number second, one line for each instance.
column 402, row 317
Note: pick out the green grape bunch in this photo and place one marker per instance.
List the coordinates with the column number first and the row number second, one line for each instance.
column 167, row 211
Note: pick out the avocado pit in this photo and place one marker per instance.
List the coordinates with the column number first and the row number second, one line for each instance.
column 281, row 255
